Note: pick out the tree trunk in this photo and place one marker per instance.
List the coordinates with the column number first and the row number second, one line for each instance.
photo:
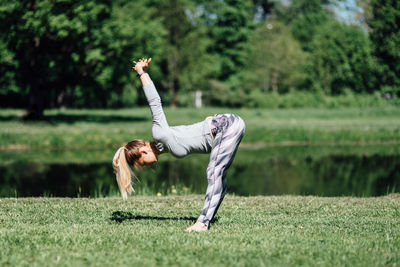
column 36, row 103
column 34, row 79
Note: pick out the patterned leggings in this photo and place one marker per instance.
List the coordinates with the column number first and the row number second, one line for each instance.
column 228, row 130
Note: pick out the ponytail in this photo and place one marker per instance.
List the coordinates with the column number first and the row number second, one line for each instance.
column 123, row 173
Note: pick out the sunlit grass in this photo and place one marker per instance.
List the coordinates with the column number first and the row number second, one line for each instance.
column 250, row 231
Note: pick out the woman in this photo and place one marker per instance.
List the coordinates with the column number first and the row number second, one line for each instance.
column 218, row 135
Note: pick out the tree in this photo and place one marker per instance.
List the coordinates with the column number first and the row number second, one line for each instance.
column 341, row 59
column 133, row 31
column 184, row 61
column 277, row 60
column 229, row 24
column 231, row 33
column 46, row 39
column 304, row 18
column 72, row 52
column 385, row 35
column 339, row 55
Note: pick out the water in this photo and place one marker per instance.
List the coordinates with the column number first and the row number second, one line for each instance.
column 372, row 170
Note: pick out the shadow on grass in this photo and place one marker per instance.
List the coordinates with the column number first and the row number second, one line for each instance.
column 120, row 216
column 73, row 118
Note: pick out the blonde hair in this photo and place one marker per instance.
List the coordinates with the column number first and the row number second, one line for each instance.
column 125, row 156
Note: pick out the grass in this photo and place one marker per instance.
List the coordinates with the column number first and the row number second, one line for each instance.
column 111, row 128
column 250, row 231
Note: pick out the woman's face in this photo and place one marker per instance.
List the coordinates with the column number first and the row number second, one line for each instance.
column 148, row 156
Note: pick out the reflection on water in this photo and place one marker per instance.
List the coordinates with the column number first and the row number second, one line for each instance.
column 318, row 170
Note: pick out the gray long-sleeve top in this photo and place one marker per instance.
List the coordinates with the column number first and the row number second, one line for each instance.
column 178, row 140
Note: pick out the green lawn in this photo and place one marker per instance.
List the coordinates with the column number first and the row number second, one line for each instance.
column 101, row 128
column 250, row 231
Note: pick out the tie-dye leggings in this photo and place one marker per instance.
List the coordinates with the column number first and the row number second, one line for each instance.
column 228, row 130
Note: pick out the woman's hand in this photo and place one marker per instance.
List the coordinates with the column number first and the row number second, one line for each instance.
column 141, row 65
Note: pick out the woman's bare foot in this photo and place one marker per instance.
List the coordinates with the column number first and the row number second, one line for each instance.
column 197, row 227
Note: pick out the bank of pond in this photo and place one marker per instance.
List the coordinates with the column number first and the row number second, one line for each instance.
column 322, row 170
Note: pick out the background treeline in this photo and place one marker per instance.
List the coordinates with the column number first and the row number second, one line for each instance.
column 256, row 53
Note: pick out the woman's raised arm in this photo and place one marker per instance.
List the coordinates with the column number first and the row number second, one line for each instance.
column 160, row 124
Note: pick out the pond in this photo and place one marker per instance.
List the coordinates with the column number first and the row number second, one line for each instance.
column 326, row 170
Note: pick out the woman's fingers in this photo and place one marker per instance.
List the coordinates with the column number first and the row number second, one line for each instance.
column 144, row 62
column 147, row 62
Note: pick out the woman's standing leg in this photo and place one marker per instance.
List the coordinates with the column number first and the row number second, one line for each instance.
column 229, row 130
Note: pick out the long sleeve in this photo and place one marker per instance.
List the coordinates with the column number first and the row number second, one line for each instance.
column 160, row 129
column 154, row 100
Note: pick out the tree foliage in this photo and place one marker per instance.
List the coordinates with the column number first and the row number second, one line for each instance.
column 278, row 61
column 231, row 31
column 385, row 35
column 185, row 51
column 71, row 52
column 56, row 53
column 305, row 17
column 48, row 40
column 341, row 60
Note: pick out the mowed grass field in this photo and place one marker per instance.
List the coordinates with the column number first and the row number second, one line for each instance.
column 100, row 128
column 249, row 231
column 148, row 230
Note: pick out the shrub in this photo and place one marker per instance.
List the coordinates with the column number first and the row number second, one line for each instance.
column 259, row 99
